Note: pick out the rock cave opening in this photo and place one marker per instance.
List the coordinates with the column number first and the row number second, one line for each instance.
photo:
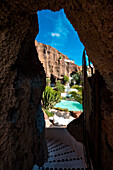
column 92, row 84
column 56, row 35
column 22, row 82
column 59, row 35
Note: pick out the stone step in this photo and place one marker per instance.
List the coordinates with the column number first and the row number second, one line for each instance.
column 63, row 154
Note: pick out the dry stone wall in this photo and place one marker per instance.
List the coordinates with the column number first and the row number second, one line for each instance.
column 22, row 77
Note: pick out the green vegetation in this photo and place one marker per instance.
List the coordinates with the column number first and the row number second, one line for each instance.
column 50, row 97
column 48, row 81
column 66, row 79
column 77, row 95
column 59, row 86
column 79, row 88
column 63, row 98
column 76, row 78
column 58, row 108
column 50, row 114
column 60, row 57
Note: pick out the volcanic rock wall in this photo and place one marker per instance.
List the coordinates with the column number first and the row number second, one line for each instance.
column 22, row 81
column 22, row 77
column 98, row 125
column 106, row 128
column 54, row 62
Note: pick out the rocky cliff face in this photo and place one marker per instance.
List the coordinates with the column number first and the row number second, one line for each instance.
column 54, row 62
column 22, row 77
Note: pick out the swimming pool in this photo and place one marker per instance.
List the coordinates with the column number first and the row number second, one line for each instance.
column 70, row 105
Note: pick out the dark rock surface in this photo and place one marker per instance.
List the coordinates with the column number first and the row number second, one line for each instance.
column 22, row 77
column 22, row 81
column 92, row 21
column 75, row 128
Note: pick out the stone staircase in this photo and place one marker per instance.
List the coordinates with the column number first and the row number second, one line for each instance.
column 65, row 153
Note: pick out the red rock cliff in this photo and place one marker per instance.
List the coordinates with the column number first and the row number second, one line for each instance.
column 54, row 62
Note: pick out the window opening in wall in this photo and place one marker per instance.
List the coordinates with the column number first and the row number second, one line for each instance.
column 44, row 51
column 60, row 51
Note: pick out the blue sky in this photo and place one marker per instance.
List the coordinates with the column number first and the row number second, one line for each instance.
column 56, row 30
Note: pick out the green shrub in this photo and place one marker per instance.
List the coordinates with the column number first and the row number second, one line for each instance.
column 66, row 79
column 50, row 97
column 77, row 96
column 48, row 81
column 49, row 114
column 77, row 87
column 61, row 109
column 77, row 78
column 63, row 98
column 59, row 86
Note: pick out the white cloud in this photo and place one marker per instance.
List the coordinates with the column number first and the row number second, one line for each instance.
column 55, row 34
column 61, row 27
column 60, row 30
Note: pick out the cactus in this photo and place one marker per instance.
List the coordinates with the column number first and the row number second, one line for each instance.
column 50, row 97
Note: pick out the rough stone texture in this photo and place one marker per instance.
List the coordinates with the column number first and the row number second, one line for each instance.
column 54, row 62
column 19, row 68
column 98, row 121
column 92, row 20
column 75, row 128
column 106, row 128
column 22, row 81
column 76, row 114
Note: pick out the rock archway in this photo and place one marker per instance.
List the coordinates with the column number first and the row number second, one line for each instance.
column 22, row 77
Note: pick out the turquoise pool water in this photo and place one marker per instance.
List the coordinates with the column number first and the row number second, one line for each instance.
column 70, row 105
